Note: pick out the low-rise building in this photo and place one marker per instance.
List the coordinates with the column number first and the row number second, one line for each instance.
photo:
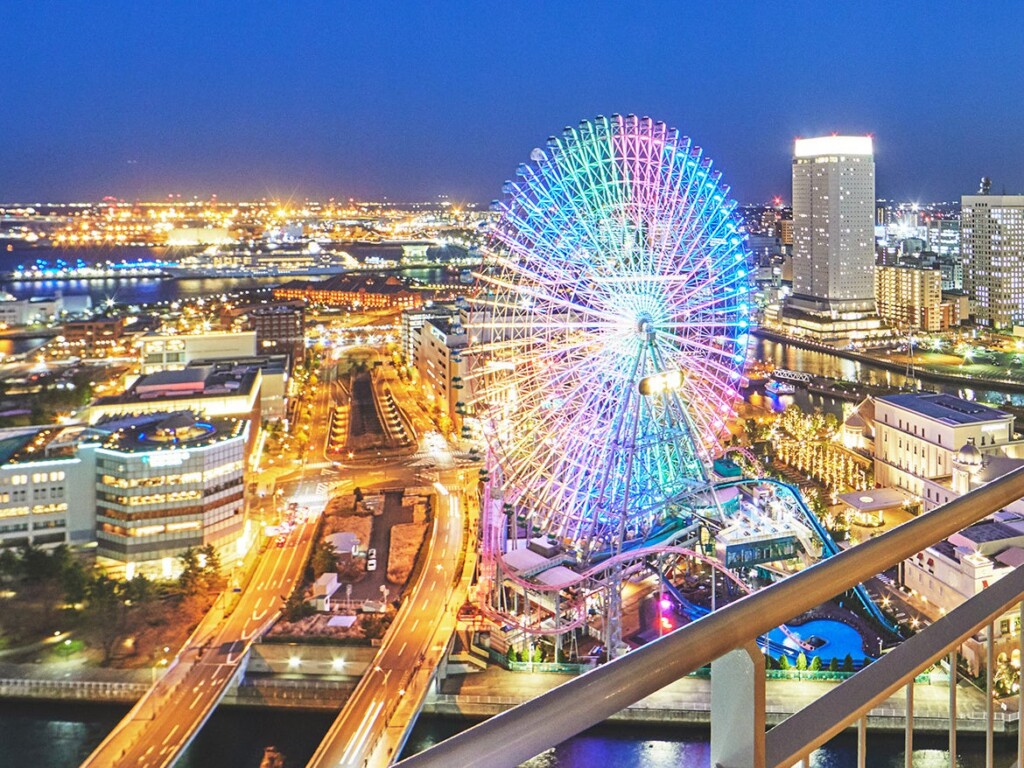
column 917, row 435
column 363, row 291
column 173, row 352
column 273, row 378
column 212, row 390
column 39, row 309
column 93, row 336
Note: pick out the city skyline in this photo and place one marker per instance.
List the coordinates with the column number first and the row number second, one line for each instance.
column 408, row 103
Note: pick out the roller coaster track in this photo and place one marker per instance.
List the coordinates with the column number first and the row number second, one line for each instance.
column 829, row 545
column 641, row 553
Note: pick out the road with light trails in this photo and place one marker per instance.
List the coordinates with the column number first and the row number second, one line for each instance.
column 159, row 727
column 366, row 731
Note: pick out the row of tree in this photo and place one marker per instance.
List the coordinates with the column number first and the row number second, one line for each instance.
column 802, row 664
column 53, row 589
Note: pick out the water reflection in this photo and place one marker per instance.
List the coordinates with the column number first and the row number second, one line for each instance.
column 819, row 363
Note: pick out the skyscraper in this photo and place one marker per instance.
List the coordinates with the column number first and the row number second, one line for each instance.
column 833, row 225
column 833, row 298
column 992, row 248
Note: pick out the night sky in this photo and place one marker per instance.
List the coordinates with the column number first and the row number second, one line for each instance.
column 410, row 100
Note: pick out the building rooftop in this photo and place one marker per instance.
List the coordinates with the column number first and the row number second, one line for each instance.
column 192, row 382
column 945, row 408
column 165, row 431
column 987, row 531
column 277, row 363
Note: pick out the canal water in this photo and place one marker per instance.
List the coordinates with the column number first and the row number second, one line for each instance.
column 51, row 735
column 834, row 367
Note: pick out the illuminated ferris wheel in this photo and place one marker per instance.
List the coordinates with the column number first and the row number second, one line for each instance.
column 611, row 330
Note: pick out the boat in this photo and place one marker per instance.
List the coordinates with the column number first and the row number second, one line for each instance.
column 777, row 388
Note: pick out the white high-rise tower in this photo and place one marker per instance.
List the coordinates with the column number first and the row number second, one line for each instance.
column 992, row 244
column 833, row 226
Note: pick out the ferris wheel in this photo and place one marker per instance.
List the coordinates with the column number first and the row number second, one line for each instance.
column 611, row 330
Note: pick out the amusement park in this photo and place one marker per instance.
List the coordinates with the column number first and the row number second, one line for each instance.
column 610, row 339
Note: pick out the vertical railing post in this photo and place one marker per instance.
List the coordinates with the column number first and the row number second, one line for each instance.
column 862, row 742
column 952, row 708
column 1020, row 688
column 738, row 709
column 908, row 737
column 990, row 710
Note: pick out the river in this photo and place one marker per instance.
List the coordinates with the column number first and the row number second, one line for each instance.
column 61, row 735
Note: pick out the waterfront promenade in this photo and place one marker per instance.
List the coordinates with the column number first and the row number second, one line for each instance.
column 480, row 695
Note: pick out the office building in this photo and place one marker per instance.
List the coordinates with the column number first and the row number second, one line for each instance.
column 992, row 250
column 166, row 482
column 441, row 366
column 414, row 319
column 47, row 487
column 279, row 328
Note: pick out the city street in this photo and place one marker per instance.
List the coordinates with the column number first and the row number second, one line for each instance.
column 159, row 727
column 412, row 644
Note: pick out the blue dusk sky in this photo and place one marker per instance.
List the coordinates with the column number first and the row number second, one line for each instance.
column 410, row 100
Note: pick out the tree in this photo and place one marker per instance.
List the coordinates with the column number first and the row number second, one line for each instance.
column 10, row 565
column 511, row 655
column 139, row 590
column 815, row 664
column 191, row 576
column 801, row 662
column 325, row 559
column 210, row 559
column 106, row 612
column 74, row 580
column 848, row 663
column 833, row 666
column 784, row 662
column 35, row 563
column 295, row 608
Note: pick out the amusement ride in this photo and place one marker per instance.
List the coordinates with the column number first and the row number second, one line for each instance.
column 608, row 344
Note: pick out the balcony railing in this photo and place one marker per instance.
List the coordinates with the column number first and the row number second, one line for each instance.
column 726, row 639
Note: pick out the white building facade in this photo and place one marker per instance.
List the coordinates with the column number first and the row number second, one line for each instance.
column 833, row 224
column 917, row 435
column 992, row 250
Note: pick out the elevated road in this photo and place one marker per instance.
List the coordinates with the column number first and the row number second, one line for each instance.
column 372, row 727
column 159, row 727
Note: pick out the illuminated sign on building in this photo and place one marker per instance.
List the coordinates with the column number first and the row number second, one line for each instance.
column 166, row 458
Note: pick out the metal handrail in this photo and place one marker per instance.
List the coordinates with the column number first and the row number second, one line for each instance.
column 521, row 733
column 818, row 722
